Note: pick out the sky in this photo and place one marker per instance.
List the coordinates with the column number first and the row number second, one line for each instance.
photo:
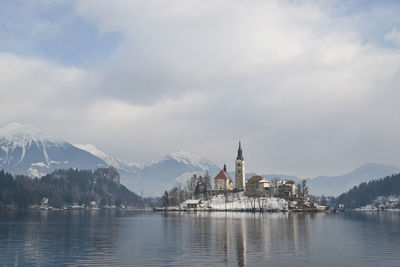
column 310, row 87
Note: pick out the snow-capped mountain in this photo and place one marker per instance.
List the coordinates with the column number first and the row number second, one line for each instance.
column 155, row 177
column 26, row 150
column 128, row 167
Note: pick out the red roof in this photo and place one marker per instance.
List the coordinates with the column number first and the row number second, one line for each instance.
column 222, row 175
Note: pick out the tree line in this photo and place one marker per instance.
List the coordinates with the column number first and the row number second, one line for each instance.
column 196, row 187
column 366, row 193
column 67, row 187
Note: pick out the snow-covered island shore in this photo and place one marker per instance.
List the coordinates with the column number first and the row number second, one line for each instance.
column 237, row 202
column 383, row 203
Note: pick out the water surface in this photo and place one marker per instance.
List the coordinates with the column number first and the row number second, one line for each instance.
column 145, row 238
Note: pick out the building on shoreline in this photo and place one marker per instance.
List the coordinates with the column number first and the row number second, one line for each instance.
column 257, row 186
column 192, row 204
column 222, row 181
column 285, row 189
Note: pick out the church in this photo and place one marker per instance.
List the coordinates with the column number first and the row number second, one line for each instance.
column 223, row 182
column 256, row 186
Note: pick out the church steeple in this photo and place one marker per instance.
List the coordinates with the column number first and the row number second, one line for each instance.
column 240, row 177
column 240, row 153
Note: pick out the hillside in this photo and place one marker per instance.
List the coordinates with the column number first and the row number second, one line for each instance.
column 124, row 166
column 335, row 185
column 67, row 187
column 156, row 176
column 25, row 150
column 28, row 151
column 368, row 193
column 169, row 170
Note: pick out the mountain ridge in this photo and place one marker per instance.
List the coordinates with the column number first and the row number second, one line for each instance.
column 383, row 192
column 26, row 150
column 335, row 185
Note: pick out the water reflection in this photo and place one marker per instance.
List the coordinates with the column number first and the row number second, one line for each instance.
column 199, row 239
column 44, row 237
column 241, row 241
column 242, row 238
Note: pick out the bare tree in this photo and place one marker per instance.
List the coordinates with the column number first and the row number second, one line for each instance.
column 165, row 199
column 207, row 181
column 274, row 185
column 191, row 186
column 181, row 193
column 304, row 188
column 207, row 186
column 252, row 202
column 299, row 190
column 174, row 196
column 226, row 194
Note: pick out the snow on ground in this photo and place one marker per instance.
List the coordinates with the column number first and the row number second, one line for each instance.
column 35, row 173
column 380, row 203
column 120, row 164
column 240, row 202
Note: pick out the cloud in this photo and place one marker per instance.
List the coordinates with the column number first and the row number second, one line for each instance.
column 298, row 82
column 51, row 30
column 393, row 37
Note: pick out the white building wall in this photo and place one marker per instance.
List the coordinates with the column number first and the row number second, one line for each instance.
column 240, row 178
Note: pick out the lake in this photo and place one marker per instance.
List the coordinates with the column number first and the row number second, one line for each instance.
column 146, row 238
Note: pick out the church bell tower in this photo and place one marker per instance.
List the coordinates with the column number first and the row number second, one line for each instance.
column 240, row 178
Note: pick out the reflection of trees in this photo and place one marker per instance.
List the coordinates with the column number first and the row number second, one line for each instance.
column 90, row 237
column 284, row 232
column 222, row 235
column 241, row 241
column 203, row 235
column 267, row 235
column 289, row 232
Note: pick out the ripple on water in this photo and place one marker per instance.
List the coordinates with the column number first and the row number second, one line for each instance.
column 199, row 239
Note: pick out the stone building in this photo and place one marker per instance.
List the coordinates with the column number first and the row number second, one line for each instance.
column 240, row 178
column 257, row 186
column 223, row 181
column 108, row 172
column 285, row 189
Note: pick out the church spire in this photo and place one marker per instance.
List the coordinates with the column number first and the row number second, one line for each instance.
column 240, row 153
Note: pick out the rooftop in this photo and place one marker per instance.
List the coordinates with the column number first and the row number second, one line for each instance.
column 222, row 175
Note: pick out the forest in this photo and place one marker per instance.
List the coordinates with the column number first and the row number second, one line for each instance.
column 366, row 193
column 68, row 187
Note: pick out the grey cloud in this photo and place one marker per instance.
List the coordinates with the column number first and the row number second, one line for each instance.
column 305, row 93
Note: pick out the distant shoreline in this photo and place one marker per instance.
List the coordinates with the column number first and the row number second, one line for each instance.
column 175, row 209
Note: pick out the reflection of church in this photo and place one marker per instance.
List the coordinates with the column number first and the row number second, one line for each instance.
column 243, row 239
column 224, row 182
column 231, row 238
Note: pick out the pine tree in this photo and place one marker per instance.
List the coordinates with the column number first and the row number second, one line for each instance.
column 165, row 199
